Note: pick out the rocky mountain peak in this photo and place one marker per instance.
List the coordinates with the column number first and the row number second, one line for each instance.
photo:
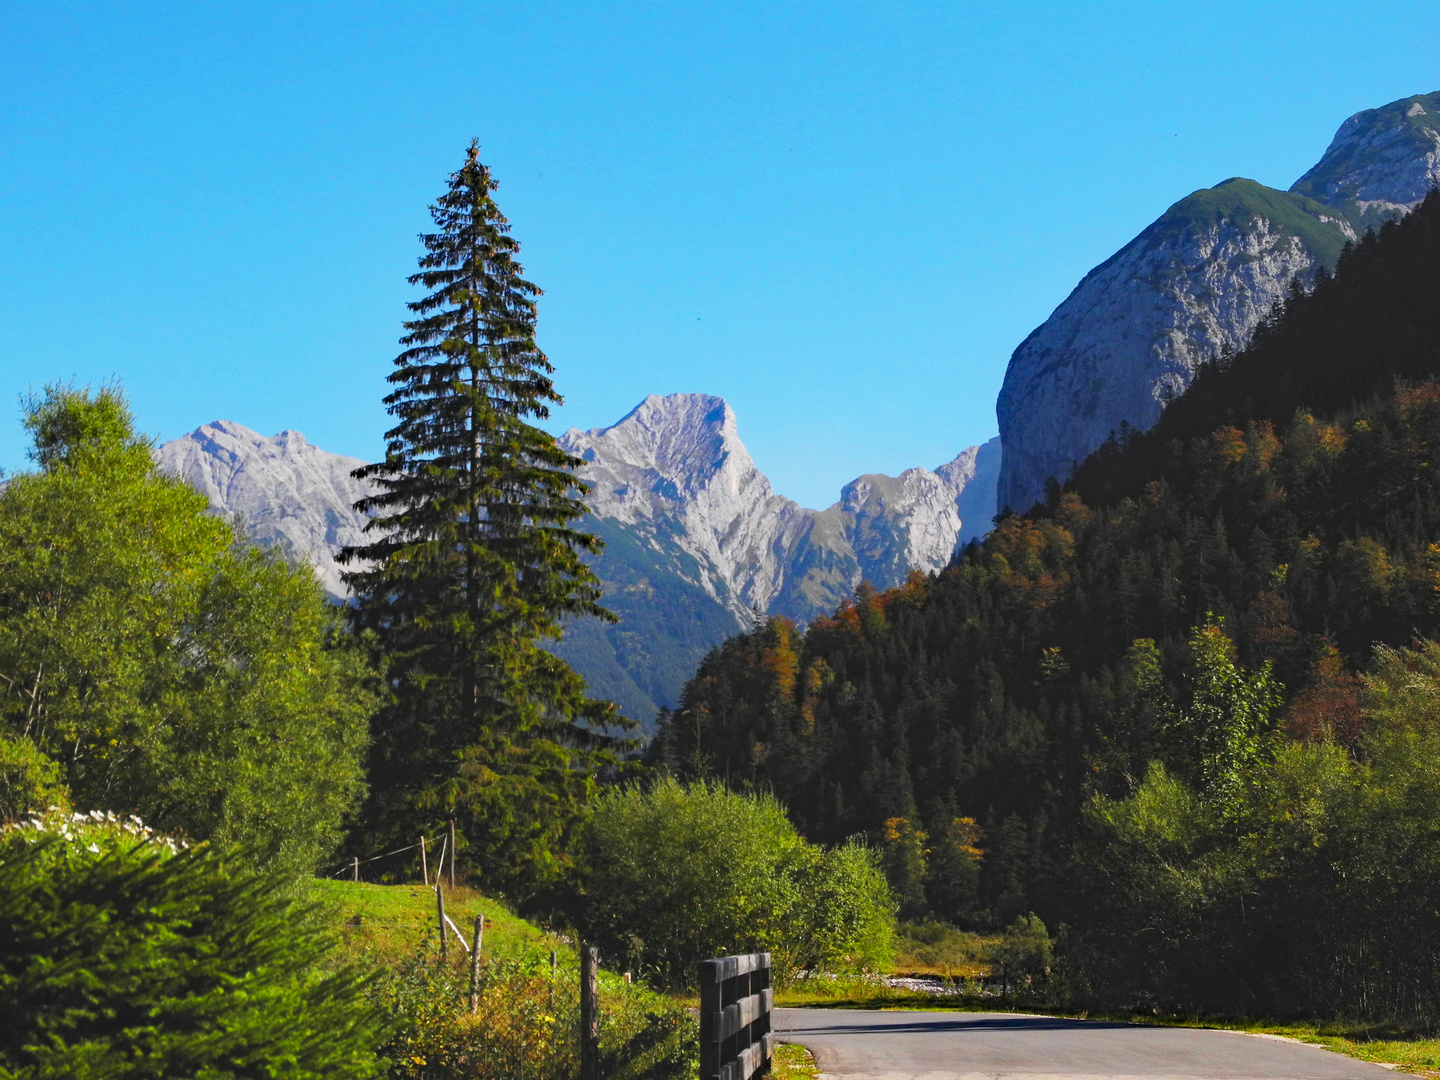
column 1193, row 285
column 287, row 493
column 677, row 453
column 1381, row 161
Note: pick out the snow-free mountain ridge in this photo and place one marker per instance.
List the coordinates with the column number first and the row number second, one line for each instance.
column 1194, row 285
column 286, row 493
column 697, row 540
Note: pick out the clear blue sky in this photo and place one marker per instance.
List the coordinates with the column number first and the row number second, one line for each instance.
column 841, row 217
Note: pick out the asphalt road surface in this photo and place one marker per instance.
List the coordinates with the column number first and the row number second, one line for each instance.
column 994, row 1046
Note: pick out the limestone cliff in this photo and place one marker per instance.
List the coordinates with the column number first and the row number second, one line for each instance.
column 1192, row 285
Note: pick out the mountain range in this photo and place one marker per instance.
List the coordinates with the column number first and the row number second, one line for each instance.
column 697, row 541
column 1192, row 287
column 698, row 544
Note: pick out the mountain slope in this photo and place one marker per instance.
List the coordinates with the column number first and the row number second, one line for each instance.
column 1381, row 162
column 696, row 539
column 1288, row 504
column 1193, row 286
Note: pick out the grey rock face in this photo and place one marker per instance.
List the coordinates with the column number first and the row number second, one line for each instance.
column 674, row 471
column 284, row 492
column 1382, row 161
column 1193, row 285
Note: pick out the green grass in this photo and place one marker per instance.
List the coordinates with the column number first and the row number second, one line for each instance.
column 934, row 948
column 385, row 923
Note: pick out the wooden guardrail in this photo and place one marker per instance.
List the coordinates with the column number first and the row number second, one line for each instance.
column 735, row 1005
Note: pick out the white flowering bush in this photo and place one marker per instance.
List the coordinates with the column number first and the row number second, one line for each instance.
column 93, row 833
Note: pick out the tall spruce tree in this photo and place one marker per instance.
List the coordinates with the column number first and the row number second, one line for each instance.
column 474, row 564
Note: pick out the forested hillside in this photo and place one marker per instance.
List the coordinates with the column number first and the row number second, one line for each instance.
column 1197, row 600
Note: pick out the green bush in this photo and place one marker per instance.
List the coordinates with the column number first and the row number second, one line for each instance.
column 124, row 955
column 1024, row 950
column 163, row 666
column 29, row 781
column 675, row 874
column 1316, row 890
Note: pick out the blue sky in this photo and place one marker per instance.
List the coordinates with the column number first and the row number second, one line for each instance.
column 841, row 217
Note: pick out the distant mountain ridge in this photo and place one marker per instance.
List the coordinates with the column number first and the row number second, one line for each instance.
column 288, row 494
column 697, row 540
column 1193, row 285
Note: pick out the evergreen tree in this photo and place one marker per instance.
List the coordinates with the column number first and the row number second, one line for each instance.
column 474, row 563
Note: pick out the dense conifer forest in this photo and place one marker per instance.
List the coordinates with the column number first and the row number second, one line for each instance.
column 1197, row 600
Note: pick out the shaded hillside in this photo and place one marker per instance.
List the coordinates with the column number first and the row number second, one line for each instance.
column 1192, row 287
column 1376, row 320
column 1040, row 667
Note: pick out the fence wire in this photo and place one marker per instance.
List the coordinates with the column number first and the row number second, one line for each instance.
column 527, row 1026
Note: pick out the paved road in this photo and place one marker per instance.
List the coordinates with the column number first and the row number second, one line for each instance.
column 993, row 1046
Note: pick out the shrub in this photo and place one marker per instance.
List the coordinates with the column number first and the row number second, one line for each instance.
column 1025, row 950
column 123, row 954
column 29, row 780
column 676, row 874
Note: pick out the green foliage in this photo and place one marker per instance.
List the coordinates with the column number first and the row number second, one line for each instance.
column 126, row 956
column 677, row 874
column 1222, row 729
column 955, row 858
column 1024, row 949
column 474, row 563
column 1317, row 892
column 28, row 779
column 159, row 663
column 904, row 858
column 527, row 1025
column 931, row 946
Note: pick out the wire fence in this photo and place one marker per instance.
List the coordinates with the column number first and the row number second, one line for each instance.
column 527, row 1025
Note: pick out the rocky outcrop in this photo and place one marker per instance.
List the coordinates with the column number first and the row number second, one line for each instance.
column 1381, row 162
column 1192, row 286
column 281, row 491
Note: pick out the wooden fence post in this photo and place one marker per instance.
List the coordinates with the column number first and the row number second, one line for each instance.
column 424, row 870
column 440, row 907
column 452, row 852
column 589, row 1013
column 475, row 964
column 736, row 999
column 356, row 869
column 553, row 966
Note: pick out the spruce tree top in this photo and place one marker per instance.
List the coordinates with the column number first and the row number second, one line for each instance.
column 465, row 476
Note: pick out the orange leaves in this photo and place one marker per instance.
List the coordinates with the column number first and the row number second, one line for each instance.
column 1035, row 557
column 1253, row 449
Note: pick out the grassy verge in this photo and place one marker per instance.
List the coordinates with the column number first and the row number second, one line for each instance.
column 385, row 923
column 793, row 1062
column 1412, row 1051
